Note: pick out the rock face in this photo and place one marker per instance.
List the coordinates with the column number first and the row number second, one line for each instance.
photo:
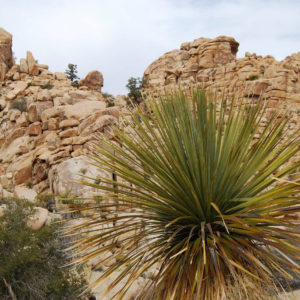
column 93, row 80
column 63, row 177
column 212, row 64
column 45, row 124
column 6, row 57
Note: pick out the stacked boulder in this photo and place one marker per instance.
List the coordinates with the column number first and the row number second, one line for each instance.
column 45, row 121
column 6, row 57
column 212, row 64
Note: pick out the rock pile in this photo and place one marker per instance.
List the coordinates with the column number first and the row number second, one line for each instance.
column 44, row 120
column 6, row 57
column 212, row 64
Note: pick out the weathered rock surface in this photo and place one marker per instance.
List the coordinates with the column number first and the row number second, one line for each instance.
column 38, row 219
column 64, row 177
column 25, row 193
column 6, row 57
column 212, row 64
column 40, row 115
column 93, row 80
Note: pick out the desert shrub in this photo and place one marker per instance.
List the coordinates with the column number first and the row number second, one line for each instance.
column 135, row 85
column 253, row 77
column 47, row 86
column 107, row 95
column 19, row 104
column 211, row 208
column 28, row 184
column 32, row 262
column 46, row 201
column 111, row 104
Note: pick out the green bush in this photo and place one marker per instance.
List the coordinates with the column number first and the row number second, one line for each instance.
column 111, row 104
column 135, row 86
column 47, row 86
column 32, row 262
column 253, row 77
column 107, row 95
column 203, row 197
column 19, row 104
column 29, row 184
column 47, row 201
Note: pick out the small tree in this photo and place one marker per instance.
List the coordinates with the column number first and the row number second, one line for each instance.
column 32, row 262
column 135, row 86
column 71, row 73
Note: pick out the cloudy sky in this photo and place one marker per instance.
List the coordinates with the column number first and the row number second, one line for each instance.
column 121, row 38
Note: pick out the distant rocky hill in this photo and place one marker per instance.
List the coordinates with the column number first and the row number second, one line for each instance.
column 212, row 64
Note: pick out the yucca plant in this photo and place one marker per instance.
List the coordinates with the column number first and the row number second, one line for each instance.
column 201, row 195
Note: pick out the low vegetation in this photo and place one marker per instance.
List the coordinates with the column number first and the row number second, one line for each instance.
column 47, row 86
column 135, row 86
column 205, row 198
column 19, row 104
column 71, row 73
column 253, row 77
column 32, row 262
column 107, row 95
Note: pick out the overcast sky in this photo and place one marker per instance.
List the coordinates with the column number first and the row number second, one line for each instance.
column 121, row 38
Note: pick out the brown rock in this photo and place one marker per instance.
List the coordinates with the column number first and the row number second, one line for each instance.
column 18, row 146
column 40, row 170
column 32, row 65
column 21, row 169
column 22, row 192
column 12, row 71
column 93, row 80
column 22, row 120
column 32, row 113
column 23, row 66
column 60, row 76
column 13, row 114
column 43, row 66
column 63, row 154
column 41, row 106
column 44, row 95
column 18, row 88
column 6, row 57
column 82, row 110
column 62, row 178
column 34, row 129
column 51, row 124
column 113, row 111
column 68, row 123
column 16, row 76
column 41, row 186
column 38, row 219
column 68, row 133
column 99, row 124
column 14, row 134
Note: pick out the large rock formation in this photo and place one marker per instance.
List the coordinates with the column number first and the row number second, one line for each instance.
column 6, row 57
column 212, row 64
column 45, row 121
column 93, row 80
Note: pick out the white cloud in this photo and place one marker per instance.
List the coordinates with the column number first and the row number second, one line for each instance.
column 121, row 38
